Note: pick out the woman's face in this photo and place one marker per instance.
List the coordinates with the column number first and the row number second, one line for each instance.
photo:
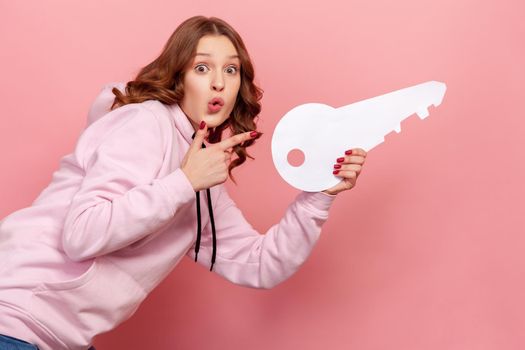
column 215, row 73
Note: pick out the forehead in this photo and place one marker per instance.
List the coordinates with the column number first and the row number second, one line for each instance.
column 218, row 46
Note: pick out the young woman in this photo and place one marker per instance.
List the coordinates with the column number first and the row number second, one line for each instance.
column 125, row 207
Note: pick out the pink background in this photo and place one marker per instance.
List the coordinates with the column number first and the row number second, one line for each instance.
column 425, row 253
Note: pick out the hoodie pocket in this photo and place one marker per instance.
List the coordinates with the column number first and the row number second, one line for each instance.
column 95, row 302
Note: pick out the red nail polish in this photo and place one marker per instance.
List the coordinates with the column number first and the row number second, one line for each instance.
column 336, row 171
column 254, row 133
column 337, row 166
column 348, row 152
column 340, row 160
column 202, row 125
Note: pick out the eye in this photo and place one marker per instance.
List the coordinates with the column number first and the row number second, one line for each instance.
column 232, row 69
column 201, row 68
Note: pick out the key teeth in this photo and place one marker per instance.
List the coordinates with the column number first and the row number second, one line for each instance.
column 397, row 128
column 422, row 113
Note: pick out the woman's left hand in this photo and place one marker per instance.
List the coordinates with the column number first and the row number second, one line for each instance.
column 348, row 167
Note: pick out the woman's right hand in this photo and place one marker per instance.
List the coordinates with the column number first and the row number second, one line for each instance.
column 207, row 167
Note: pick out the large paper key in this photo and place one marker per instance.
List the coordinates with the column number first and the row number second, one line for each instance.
column 323, row 133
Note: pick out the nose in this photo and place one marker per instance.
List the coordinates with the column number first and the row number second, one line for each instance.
column 218, row 82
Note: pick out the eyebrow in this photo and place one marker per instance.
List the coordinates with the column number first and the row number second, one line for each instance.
column 207, row 54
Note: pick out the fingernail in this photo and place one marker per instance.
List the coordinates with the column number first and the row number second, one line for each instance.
column 340, row 160
column 337, row 166
column 336, row 171
column 202, row 125
column 348, row 152
column 254, row 134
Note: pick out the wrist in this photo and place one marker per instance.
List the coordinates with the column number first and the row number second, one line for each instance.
column 190, row 180
column 329, row 193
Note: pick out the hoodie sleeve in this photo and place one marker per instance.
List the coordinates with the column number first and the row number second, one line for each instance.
column 120, row 199
column 246, row 257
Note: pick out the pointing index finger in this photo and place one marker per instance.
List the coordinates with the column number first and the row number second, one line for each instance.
column 235, row 140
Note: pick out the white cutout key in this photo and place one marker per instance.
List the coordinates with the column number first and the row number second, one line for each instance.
column 324, row 133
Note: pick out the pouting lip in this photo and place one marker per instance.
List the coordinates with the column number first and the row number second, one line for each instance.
column 217, row 100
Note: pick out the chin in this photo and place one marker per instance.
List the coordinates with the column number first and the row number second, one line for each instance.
column 214, row 120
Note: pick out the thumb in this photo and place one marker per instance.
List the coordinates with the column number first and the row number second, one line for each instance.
column 199, row 138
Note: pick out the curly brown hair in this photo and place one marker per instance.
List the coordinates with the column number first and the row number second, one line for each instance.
column 162, row 80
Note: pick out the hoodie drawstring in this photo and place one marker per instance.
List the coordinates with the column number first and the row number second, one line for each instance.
column 210, row 211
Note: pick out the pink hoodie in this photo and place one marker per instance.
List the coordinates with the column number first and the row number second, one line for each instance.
column 117, row 217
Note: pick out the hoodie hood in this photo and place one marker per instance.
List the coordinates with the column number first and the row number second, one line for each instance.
column 102, row 103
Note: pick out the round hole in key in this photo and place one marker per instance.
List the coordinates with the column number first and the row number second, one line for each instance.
column 295, row 157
